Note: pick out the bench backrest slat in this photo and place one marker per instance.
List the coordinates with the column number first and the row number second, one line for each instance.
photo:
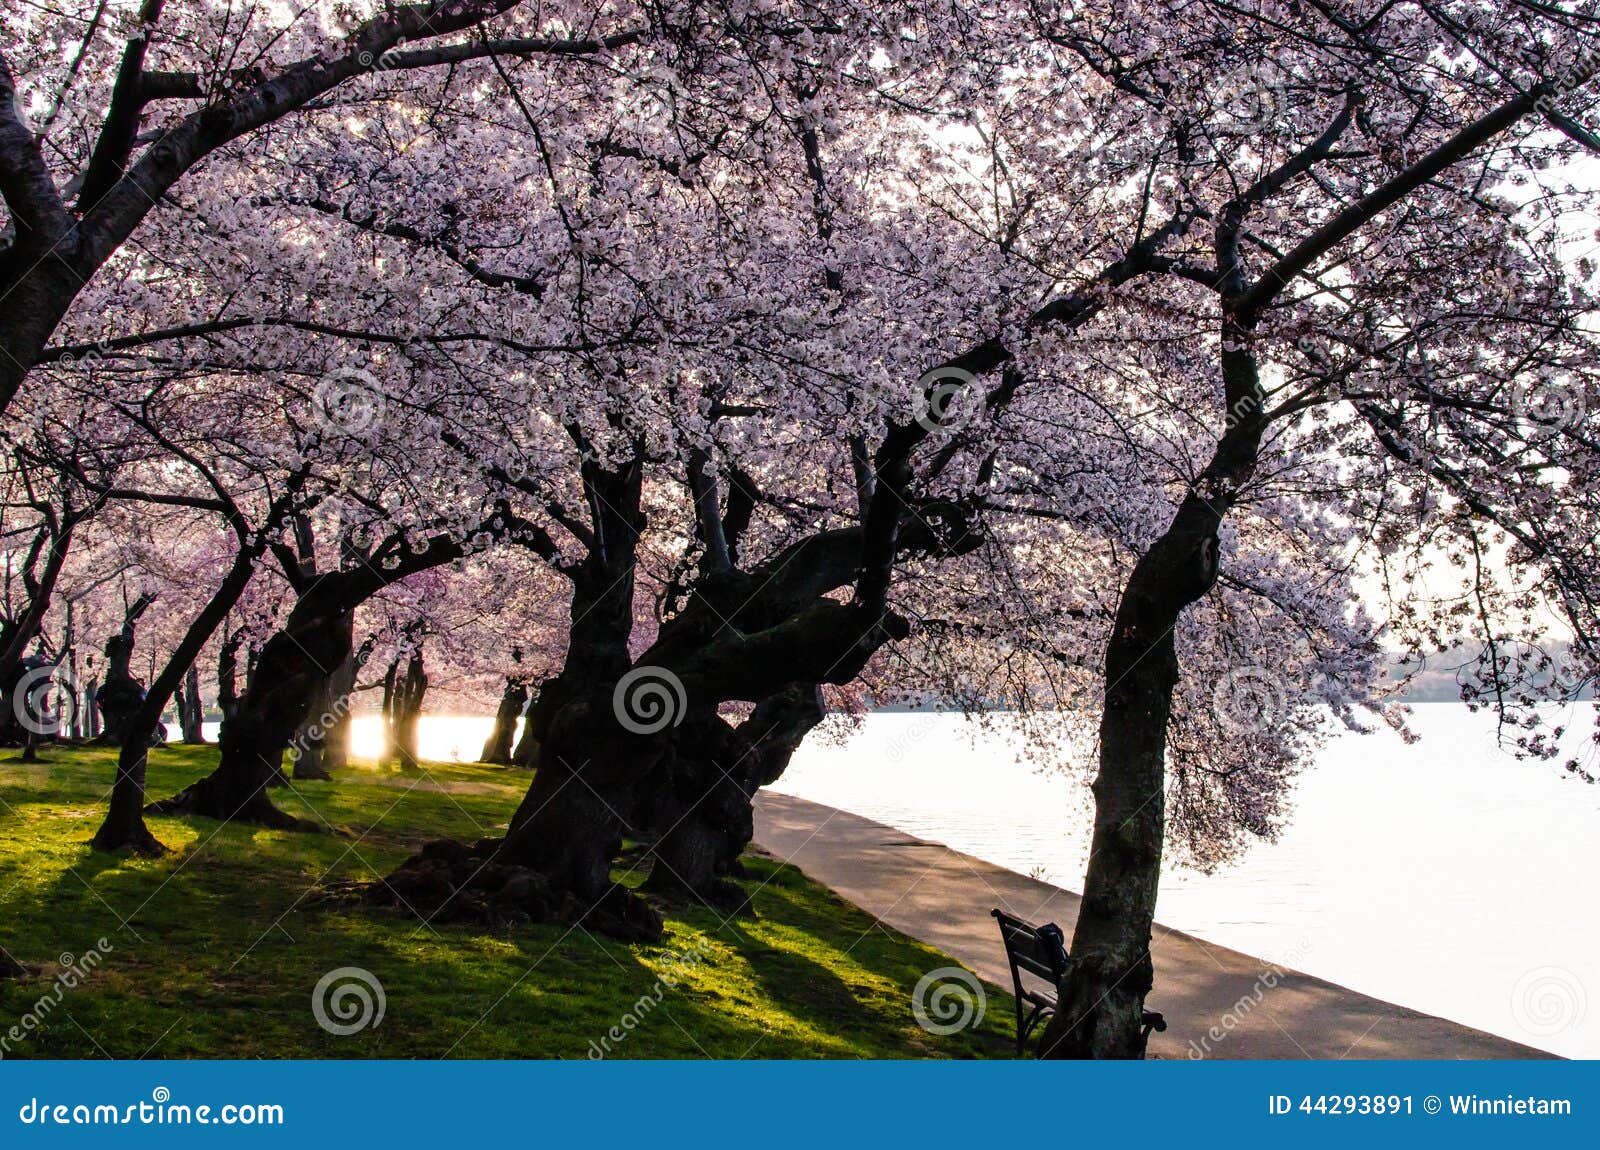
column 1028, row 950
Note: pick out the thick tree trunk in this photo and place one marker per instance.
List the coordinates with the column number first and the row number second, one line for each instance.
column 121, row 696
column 704, row 814
column 293, row 666
column 191, row 711
column 497, row 747
column 228, row 676
column 413, row 688
column 309, row 747
column 569, row 826
column 341, row 693
column 124, row 826
column 36, row 302
column 1101, row 1001
column 589, row 768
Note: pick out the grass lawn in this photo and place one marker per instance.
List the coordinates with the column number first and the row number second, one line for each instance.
column 215, row 949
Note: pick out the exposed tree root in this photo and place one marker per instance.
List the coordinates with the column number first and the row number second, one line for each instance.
column 137, row 841
column 450, row 882
column 208, row 802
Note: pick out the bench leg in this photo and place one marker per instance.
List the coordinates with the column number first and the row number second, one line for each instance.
column 1025, row 1026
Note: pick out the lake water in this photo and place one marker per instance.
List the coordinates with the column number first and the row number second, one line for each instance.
column 1445, row 876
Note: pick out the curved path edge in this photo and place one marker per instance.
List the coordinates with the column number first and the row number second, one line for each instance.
column 1219, row 1003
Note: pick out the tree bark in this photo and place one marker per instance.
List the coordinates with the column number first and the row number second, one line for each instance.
column 309, row 747
column 293, row 666
column 1101, row 1000
column 91, row 710
column 705, row 815
column 497, row 747
column 191, row 711
column 414, row 690
column 569, row 825
column 335, row 740
column 228, row 675
column 386, row 707
column 121, row 695
column 124, row 826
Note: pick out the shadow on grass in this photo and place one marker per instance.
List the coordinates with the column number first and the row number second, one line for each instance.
column 227, row 936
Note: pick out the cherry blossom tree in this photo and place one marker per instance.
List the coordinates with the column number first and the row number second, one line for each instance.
column 1030, row 355
column 104, row 109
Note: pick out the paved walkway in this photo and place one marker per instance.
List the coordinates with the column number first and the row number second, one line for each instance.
column 1226, row 1004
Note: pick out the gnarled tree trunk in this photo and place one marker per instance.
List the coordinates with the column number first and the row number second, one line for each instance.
column 334, row 744
column 308, row 749
column 410, row 690
column 497, row 747
column 292, row 668
column 124, row 826
column 1109, row 973
column 191, row 712
column 120, row 694
column 704, row 813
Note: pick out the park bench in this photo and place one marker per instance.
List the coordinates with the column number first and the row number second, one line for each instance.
column 1042, row 952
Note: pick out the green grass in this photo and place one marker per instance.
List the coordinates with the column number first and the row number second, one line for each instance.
column 215, row 949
